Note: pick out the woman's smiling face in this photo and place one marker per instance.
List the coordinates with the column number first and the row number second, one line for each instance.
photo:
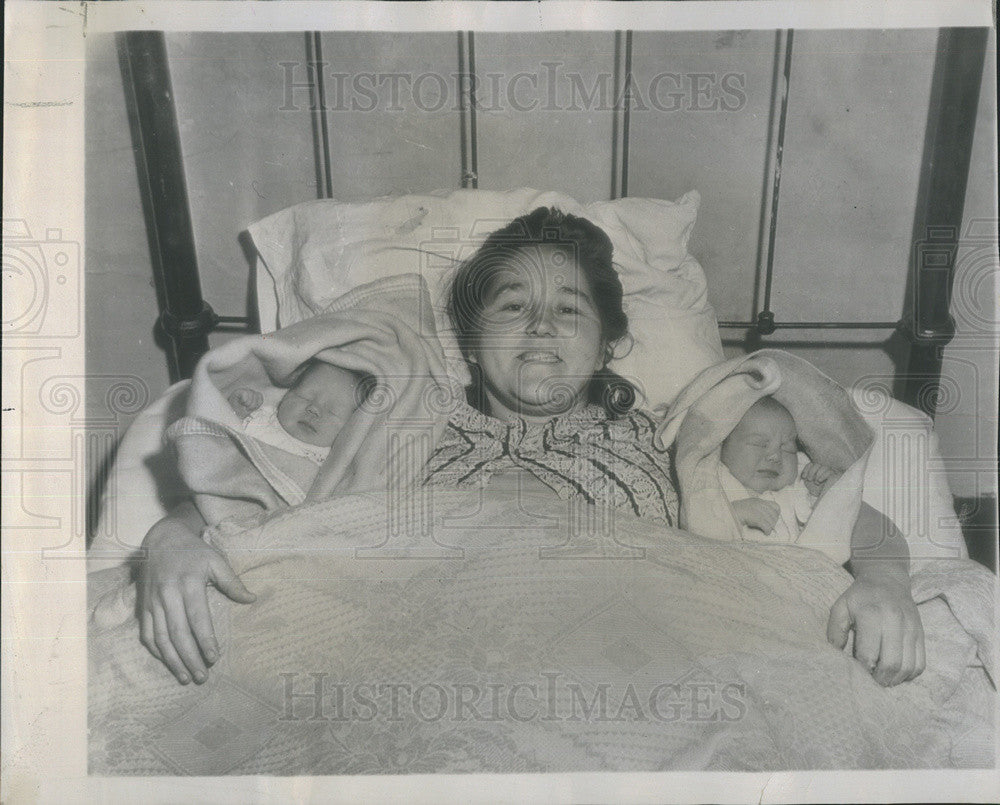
column 539, row 337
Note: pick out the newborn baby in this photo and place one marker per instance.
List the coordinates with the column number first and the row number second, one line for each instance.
column 759, row 474
column 309, row 415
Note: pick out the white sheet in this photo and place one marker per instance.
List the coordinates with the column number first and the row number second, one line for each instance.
column 727, row 640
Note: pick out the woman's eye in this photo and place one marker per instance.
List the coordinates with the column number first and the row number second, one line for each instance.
column 568, row 310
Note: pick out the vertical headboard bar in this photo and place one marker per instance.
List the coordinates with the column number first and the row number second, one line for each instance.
column 951, row 123
column 616, row 62
column 622, row 120
column 321, row 128
column 469, row 136
column 765, row 318
column 184, row 315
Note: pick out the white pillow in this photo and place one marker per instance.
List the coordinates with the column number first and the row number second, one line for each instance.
column 143, row 485
column 907, row 478
column 314, row 252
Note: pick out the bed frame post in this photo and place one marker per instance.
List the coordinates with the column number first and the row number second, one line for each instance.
column 184, row 315
column 954, row 102
column 469, row 141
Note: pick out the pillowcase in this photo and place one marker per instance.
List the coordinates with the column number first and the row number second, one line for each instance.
column 907, row 478
column 312, row 253
column 143, row 484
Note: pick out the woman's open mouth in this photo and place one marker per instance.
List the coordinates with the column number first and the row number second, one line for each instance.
column 539, row 356
column 768, row 473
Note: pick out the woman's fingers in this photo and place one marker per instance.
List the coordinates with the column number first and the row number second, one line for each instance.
column 909, row 660
column 915, row 644
column 146, row 634
column 921, row 659
column 890, row 659
column 867, row 640
column 200, row 619
column 179, row 631
column 226, row 580
column 166, row 648
column 839, row 624
column 888, row 635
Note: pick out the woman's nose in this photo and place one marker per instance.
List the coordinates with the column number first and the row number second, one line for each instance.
column 541, row 323
column 312, row 409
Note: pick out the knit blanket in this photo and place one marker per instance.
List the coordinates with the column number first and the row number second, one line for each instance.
column 384, row 330
column 452, row 632
column 830, row 429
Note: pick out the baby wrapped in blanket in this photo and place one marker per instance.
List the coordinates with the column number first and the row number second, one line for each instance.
column 306, row 420
column 739, row 427
column 301, row 414
column 819, row 416
column 771, row 486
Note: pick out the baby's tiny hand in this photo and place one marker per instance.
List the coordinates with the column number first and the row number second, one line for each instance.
column 818, row 478
column 245, row 401
column 756, row 513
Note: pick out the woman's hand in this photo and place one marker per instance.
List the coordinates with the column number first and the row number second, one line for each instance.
column 174, row 619
column 888, row 635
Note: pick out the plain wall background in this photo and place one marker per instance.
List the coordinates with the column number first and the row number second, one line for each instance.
column 856, row 118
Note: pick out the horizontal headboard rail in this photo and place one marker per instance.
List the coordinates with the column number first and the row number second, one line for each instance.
column 925, row 322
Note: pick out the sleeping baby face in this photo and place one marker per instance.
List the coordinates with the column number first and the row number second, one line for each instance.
column 317, row 406
column 761, row 450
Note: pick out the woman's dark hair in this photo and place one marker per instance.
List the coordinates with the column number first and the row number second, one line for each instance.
column 474, row 280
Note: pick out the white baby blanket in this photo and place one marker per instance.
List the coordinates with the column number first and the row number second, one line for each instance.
column 383, row 329
column 830, row 429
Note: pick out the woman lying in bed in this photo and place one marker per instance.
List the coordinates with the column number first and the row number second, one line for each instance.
column 538, row 312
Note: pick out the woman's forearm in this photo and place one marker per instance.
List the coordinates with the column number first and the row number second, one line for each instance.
column 878, row 548
column 189, row 514
column 185, row 515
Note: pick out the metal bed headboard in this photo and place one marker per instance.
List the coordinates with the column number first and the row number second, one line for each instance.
column 927, row 324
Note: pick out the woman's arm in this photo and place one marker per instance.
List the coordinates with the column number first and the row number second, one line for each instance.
column 175, row 569
column 888, row 635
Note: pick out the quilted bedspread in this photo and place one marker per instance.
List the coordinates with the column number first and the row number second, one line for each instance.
column 513, row 633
